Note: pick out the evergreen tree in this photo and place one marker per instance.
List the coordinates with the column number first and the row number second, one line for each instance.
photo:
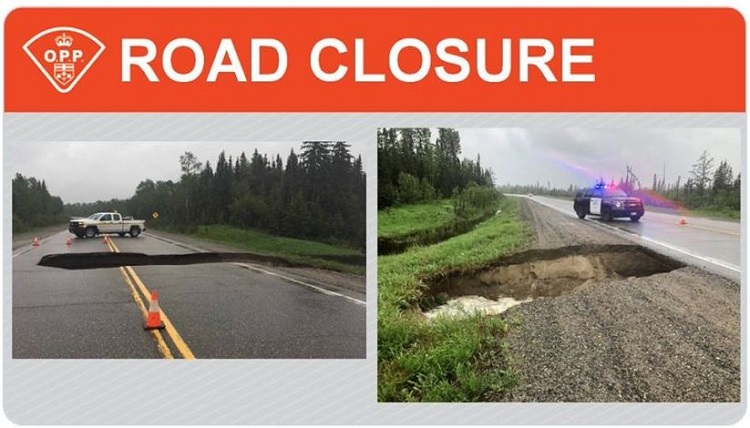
column 32, row 204
column 701, row 172
column 411, row 168
column 318, row 195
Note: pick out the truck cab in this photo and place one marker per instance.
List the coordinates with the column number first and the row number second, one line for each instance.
column 110, row 223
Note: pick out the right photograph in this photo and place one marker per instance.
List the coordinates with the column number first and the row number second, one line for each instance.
column 559, row 264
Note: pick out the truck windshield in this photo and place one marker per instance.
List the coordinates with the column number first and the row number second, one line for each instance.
column 617, row 193
column 95, row 216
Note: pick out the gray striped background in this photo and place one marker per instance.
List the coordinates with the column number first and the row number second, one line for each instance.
column 297, row 392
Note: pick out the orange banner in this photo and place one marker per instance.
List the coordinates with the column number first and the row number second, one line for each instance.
column 375, row 60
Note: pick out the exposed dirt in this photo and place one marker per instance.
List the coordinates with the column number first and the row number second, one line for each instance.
column 663, row 337
column 544, row 273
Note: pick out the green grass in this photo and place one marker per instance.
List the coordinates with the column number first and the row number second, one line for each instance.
column 408, row 219
column 716, row 213
column 313, row 253
column 447, row 359
column 710, row 213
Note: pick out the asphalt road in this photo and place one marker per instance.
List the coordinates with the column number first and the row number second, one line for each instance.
column 217, row 310
column 711, row 244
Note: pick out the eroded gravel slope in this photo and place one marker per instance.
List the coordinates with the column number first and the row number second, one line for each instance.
column 671, row 337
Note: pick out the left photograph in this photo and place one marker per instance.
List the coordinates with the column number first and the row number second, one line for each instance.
column 187, row 250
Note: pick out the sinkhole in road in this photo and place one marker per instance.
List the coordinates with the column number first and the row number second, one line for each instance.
column 534, row 274
column 106, row 259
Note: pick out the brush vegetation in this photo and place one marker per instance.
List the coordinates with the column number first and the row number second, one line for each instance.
column 444, row 359
column 317, row 254
column 408, row 219
column 426, row 224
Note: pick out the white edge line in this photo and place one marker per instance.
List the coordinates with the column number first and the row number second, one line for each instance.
column 20, row 253
column 710, row 260
column 176, row 243
column 296, row 281
column 686, row 252
column 261, row 270
column 27, row 250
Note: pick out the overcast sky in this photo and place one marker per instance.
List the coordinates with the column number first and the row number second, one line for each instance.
column 579, row 156
column 87, row 172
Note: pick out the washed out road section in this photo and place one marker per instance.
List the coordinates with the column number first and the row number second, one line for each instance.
column 667, row 337
column 222, row 310
column 99, row 260
column 709, row 243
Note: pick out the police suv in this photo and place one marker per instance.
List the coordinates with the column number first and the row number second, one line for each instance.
column 608, row 202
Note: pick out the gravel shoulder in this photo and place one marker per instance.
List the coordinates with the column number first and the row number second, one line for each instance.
column 669, row 337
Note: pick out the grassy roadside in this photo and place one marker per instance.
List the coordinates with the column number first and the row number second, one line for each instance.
column 317, row 254
column 711, row 213
column 429, row 223
column 445, row 359
column 407, row 219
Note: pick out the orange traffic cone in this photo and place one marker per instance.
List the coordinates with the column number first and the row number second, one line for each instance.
column 36, row 241
column 683, row 221
column 153, row 320
column 68, row 241
column 105, row 240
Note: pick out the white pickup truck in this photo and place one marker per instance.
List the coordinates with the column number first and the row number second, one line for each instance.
column 101, row 223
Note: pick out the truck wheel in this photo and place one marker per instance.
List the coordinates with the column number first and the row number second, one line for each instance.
column 90, row 232
column 134, row 232
column 606, row 215
column 635, row 218
column 580, row 213
column 121, row 234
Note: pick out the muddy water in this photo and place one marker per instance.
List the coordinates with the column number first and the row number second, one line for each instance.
column 469, row 305
column 541, row 274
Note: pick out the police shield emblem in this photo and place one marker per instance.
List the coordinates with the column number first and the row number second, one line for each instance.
column 64, row 55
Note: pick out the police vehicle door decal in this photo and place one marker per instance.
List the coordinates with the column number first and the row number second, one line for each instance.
column 595, row 206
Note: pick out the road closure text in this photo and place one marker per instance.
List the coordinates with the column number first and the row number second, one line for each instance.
column 408, row 60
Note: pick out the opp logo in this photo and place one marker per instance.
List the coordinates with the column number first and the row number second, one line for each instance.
column 64, row 55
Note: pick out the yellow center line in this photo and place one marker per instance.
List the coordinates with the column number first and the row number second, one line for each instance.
column 168, row 326
column 160, row 343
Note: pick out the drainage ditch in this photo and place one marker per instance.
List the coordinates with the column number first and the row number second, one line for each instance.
column 537, row 274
